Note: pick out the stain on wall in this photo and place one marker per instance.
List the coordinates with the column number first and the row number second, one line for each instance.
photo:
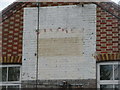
column 71, row 46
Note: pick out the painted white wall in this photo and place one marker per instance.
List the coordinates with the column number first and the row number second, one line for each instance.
column 82, row 20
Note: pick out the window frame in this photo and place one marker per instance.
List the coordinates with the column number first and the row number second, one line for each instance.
column 107, row 82
column 8, row 83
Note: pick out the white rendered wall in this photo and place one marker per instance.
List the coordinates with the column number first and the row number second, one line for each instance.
column 67, row 42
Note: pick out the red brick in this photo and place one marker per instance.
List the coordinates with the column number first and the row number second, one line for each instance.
column 103, row 47
column 103, row 52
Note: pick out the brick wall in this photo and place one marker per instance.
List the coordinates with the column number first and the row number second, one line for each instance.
column 104, row 50
column 12, row 28
column 12, row 38
column 107, row 43
column 107, row 36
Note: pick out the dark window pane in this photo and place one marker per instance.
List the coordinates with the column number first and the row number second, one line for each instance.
column 13, row 87
column 117, row 87
column 106, row 72
column 117, row 72
column 13, row 74
column 0, row 74
column 106, row 87
column 2, row 87
column 3, row 74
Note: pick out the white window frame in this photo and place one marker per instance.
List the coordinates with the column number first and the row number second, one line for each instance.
column 11, row 83
column 106, row 82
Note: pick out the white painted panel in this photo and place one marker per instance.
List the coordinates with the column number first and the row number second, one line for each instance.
column 79, row 22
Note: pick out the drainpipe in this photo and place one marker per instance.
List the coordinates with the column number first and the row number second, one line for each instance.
column 37, row 32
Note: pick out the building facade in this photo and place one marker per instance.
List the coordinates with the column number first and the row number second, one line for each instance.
column 60, row 42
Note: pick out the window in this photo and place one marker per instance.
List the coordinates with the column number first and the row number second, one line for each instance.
column 108, row 75
column 10, row 87
column 10, row 76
